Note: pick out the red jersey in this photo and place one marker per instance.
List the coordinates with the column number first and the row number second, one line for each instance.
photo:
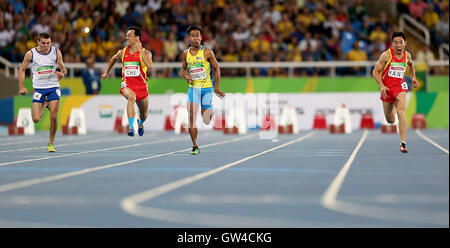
column 134, row 70
column 393, row 75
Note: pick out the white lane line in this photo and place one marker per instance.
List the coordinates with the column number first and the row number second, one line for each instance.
column 430, row 141
column 31, row 139
column 329, row 200
column 40, row 180
column 329, row 197
column 131, row 204
column 91, row 151
column 70, row 144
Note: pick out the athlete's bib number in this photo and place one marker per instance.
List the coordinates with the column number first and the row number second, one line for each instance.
column 37, row 96
column 396, row 72
column 132, row 69
column 197, row 73
column 45, row 72
column 404, row 86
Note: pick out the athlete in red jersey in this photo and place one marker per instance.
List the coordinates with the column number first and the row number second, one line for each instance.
column 136, row 62
column 389, row 72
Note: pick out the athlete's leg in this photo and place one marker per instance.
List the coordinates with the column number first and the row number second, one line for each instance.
column 143, row 113
column 389, row 112
column 143, row 109
column 207, row 115
column 193, row 131
column 400, row 106
column 37, row 110
column 131, row 98
column 54, row 106
column 207, row 109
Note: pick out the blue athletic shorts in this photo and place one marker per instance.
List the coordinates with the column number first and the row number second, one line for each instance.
column 201, row 96
column 51, row 94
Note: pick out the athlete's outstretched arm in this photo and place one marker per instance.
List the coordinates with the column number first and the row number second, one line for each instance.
column 61, row 66
column 412, row 71
column 184, row 72
column 112, row 61
column 21, row 75
column 213, row 62
column 378, row 70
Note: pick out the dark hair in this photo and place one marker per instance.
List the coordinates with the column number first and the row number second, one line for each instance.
column 398, row 34
column 137, row 31
column 43, row 36
column 193, row 27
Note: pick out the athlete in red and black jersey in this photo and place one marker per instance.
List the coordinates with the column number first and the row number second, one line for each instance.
column 136, row 63
column 389, row 72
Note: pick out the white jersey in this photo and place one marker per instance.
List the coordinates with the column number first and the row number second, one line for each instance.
column 43, row 67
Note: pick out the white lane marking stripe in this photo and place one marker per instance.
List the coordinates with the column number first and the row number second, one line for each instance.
column 69, row 144
column 329, row 197
column 131, row 204
column 430, row 141
column 31, row 139
column 35, row 181
column 329, row 200
column 85, row 152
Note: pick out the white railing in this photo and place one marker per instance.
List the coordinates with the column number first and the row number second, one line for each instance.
column 405, row 22
column 248, row 66
column 442, row 53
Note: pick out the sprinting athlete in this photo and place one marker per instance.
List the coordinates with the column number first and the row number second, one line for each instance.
column 43, row 60
column 198, row 65
column 389, row 72
column 136, row 62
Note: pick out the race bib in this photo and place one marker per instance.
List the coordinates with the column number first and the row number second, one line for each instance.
column 197, row 72
column 404, row 86
column 45, row 72
column 397, row 70
column 37, row 96
column 132, row 69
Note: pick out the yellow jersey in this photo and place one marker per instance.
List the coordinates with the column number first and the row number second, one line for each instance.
column 199, row 69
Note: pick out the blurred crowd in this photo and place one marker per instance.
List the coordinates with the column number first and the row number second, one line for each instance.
column 236, row 30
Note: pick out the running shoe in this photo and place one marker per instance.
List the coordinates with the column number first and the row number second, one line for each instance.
column 195, row 150
column 141, row 130
column 131, row 132
column 50, row 148
column 403, row 148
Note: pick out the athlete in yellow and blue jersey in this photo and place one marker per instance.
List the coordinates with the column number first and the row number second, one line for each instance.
column 198, row 66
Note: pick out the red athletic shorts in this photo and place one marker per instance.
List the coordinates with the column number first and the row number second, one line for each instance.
column 141, row 92
column 392, row 93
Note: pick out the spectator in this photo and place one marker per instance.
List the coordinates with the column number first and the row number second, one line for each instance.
column 357, row 54
column 383, row 22
column 285, row 27
column 357, row 11
column 170, row 47
column 417, row 9
column 84, row 24
column 305, row 17
column 155, row 5
column 403, row 6
column 308, row 41
column 156, row 45
column 424, row 55
column 18, row 5
column 91, row 79
column 240, row 34
column 430, row 17
column 86, row 48
column 441, row 29
column 378, row 33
